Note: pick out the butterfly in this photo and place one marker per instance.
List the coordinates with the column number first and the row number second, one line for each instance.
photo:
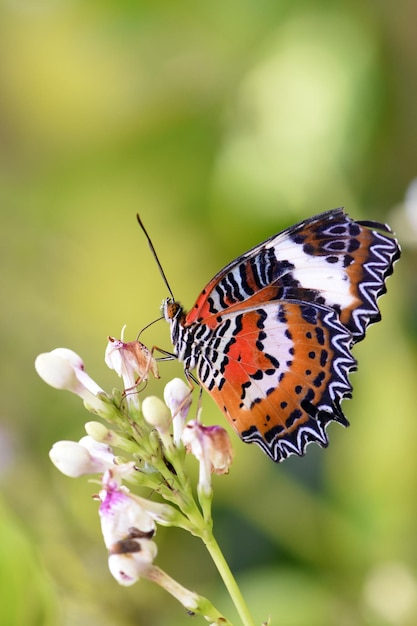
column 270, row 336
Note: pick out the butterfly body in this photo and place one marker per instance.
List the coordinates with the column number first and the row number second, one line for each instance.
column 270, row 336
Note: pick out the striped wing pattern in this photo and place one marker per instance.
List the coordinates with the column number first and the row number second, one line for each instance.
column 272, row 332
column 328, row 259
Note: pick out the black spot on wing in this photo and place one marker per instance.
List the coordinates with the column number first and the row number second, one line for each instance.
column 317, row 382
column 273, row 432
column 354, row 244
column 293, row 417
column 309, row 313
column 320, row 336
column 324, row 355
column 309, row 249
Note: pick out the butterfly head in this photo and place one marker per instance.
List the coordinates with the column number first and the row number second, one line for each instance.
column 171, row 309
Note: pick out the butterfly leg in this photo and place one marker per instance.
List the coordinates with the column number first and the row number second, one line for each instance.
column 167, row 356
column 192, row 381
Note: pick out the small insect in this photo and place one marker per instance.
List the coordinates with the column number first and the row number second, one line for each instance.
column 131, row 357
column 270, row 336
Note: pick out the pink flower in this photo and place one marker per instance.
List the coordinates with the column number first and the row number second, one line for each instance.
column 127, row 531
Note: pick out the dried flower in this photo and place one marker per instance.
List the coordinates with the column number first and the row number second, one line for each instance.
column 132, row 361
column 212, row 447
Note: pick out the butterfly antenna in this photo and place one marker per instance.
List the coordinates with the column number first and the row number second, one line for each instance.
column 147, row 326
column 155, row 256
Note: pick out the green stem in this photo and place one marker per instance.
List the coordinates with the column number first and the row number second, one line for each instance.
column 229, row 580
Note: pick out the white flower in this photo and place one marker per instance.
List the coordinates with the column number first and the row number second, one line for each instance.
column 127, row 531
column 64, row 369
column 119, row 512
column 178, row 398
column 212, row 447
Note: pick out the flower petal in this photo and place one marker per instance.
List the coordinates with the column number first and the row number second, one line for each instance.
column 120, row 513
column 128, row 567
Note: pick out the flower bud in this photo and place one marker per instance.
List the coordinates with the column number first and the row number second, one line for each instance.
column 156, row 413
column 99, row 432
column 64, row 369
column 78, row 459
column 178, row 398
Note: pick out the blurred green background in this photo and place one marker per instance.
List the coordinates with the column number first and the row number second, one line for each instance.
column 222, row 122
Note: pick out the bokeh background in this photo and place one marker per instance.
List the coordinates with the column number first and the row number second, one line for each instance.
column 222, row 123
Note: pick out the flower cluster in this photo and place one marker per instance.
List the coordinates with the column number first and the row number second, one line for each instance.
column 153, row 438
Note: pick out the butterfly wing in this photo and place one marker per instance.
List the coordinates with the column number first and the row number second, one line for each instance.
column 271, row 333
column 279, row 373
column 328, row 259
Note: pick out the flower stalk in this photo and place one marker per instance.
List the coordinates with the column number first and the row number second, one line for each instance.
column 194, row 603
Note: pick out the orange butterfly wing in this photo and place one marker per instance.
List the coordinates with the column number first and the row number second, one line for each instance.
column 271, row 334
column 279, row 373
